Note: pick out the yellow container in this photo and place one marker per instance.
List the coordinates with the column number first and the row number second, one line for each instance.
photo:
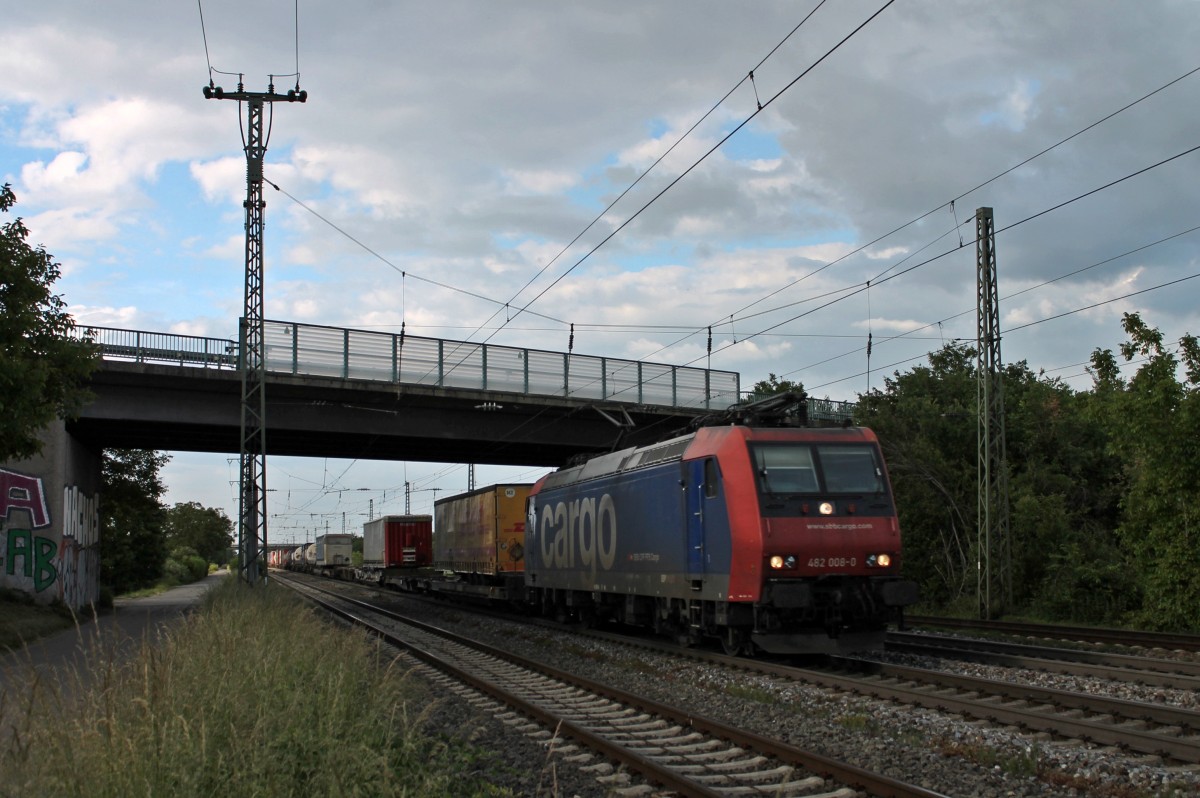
column 481, row 532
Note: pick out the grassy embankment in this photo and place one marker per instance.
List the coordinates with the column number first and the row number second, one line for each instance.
column 252, row 695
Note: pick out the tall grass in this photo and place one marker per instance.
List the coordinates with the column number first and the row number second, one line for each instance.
column 252, row 696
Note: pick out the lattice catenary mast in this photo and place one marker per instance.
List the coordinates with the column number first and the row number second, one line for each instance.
column 252, row 498
column 993, row 538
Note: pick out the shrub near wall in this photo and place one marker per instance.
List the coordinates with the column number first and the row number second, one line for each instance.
column 184, row 566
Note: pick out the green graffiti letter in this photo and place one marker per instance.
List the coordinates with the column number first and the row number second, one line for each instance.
column 20, row 541
column 44, row 572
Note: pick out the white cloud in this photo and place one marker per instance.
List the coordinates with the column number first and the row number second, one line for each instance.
column 231, row 249
column 69, row 228
column 222, row 180
column 880, row 325
column 887, row 253
column 538, row 181
column 129, row 318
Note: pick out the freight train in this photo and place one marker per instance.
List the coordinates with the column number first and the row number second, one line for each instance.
column 329, row 556
column 751, row 528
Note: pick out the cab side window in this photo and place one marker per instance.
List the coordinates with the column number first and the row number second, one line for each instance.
column 710, row 479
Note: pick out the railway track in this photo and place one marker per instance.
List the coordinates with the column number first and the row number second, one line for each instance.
column 676, row 750
column 1144, row 728
column 1135, row 726
column 1181, row 674
column 1116, row 637
column 1156, row 729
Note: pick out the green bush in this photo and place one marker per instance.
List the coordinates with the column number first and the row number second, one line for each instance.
column 197, row 568
column 1088, row 584
column 184, row 566
column 175, row 572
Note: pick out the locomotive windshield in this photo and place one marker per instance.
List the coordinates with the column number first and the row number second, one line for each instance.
column 790, row 468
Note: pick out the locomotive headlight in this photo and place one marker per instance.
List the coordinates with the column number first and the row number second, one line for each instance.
column 776, row 562
column 826, row 508
column 879, row 560
column 779, row 562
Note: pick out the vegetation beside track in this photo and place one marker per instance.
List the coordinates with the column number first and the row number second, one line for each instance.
column 251, row 695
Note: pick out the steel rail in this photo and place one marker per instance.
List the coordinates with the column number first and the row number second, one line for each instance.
column 1120, row 667
column 1162, row 714
column 1122, row 637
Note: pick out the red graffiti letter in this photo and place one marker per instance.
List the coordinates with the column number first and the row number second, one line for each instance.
column 21, row 492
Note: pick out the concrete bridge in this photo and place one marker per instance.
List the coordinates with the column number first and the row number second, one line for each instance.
column 334, row 392
column 330, row 393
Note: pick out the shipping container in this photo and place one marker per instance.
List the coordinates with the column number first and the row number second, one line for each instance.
column 333, row 550
column 398, row 541
column 482, row 532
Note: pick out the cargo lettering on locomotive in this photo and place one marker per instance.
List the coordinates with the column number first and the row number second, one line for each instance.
column 583, row 529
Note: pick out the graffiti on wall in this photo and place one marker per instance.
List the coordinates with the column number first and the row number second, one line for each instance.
column 51, row 563
column 78, row 562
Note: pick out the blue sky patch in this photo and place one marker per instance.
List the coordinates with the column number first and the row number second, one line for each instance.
column 752, row 144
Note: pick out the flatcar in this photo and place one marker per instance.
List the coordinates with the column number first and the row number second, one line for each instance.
column 755, row 530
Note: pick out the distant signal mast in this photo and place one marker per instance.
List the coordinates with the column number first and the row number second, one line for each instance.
column 252, row 497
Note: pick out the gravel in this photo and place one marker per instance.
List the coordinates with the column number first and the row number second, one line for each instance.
column 943, row 753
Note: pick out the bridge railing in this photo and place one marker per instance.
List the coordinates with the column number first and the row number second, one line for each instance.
column 829, row 411
column 155, row 347
column 315, row 350
column 415, row 360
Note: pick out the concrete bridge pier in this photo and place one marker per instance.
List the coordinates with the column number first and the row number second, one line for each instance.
column 50, row 521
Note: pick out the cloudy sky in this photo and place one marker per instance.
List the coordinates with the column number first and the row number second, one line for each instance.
column 466, row 145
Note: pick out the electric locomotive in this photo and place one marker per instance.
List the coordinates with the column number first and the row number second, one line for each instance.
column 752, row 528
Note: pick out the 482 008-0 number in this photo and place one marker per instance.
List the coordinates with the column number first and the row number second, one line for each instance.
column 832, row 562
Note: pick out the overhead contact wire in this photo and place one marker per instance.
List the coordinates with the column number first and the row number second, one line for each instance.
column 932, row 211
column 956, row 249
column 647, row 171
column 702, row 158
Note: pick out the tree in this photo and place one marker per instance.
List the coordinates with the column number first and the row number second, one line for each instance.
column 205, row 530
column 1155, row 425
column 926, row 428
column 773, row 385
column 1062, row 487
column 133, row 543
column 42, row 368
